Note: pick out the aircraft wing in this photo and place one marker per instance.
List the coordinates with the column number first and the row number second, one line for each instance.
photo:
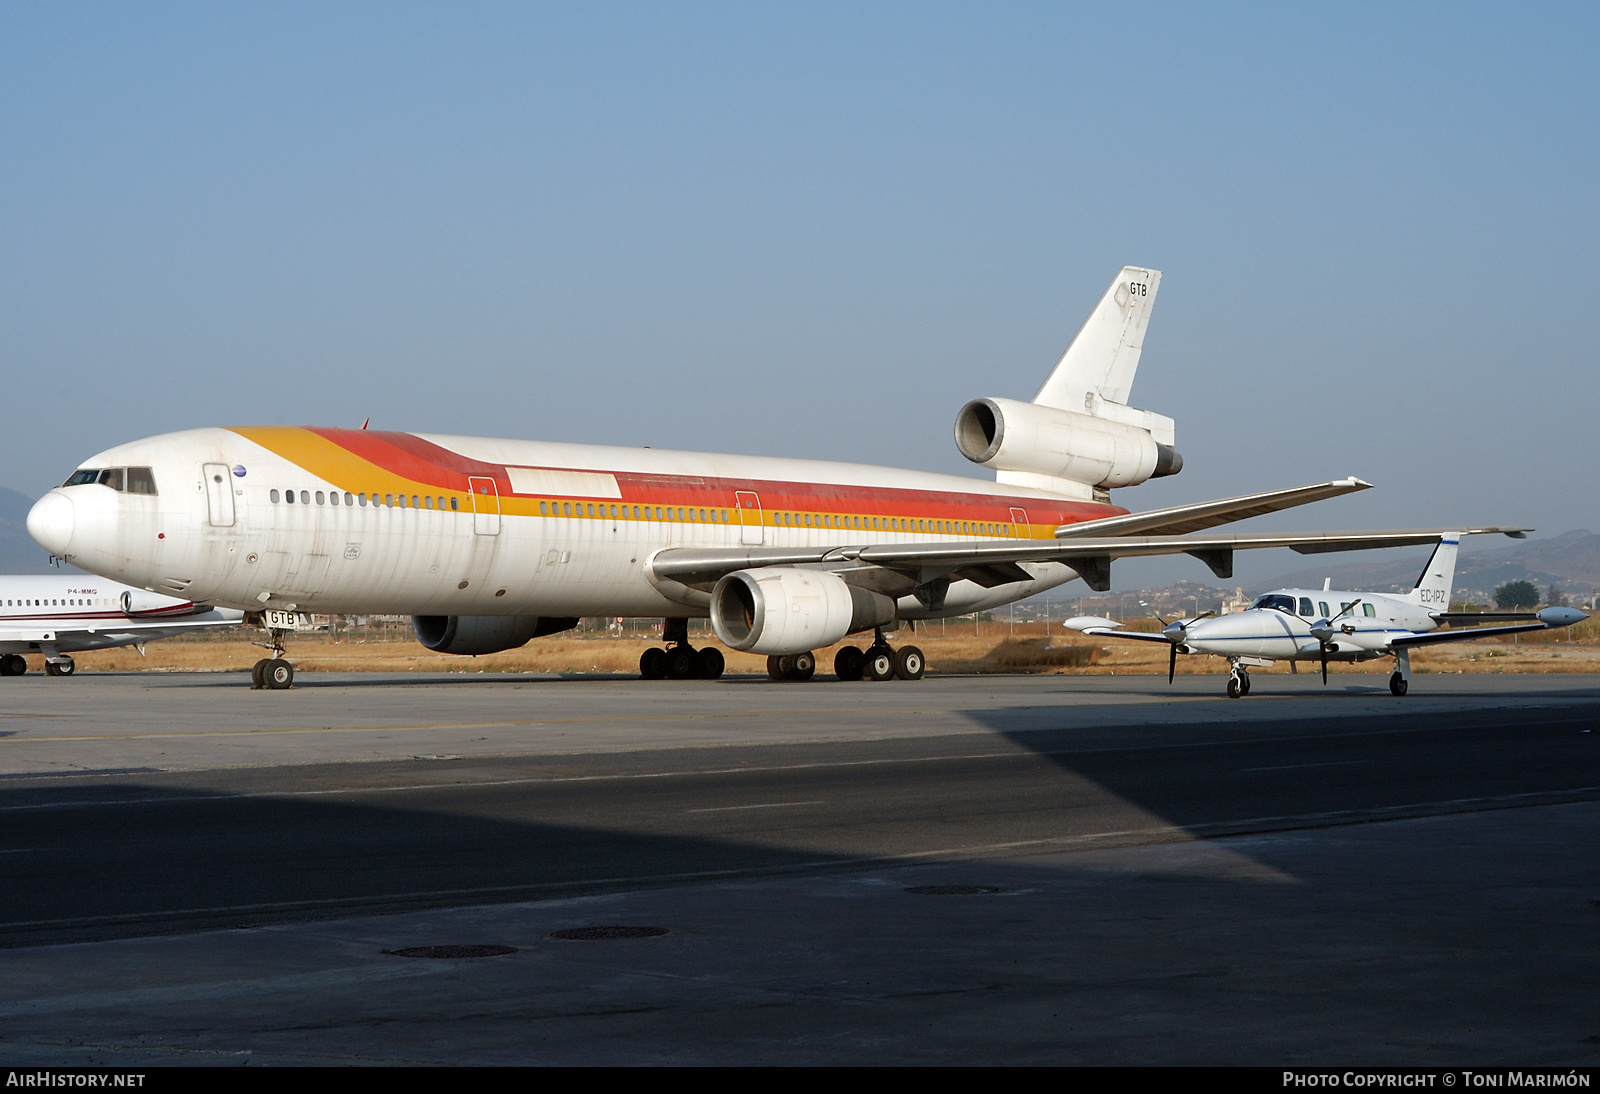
column 118, row 631
column 1110, row 628
column 1544, row 620
column 1208, row 514
column 996, row 562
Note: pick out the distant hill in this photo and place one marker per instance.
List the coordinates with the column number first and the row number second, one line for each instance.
column 1570, row 561
column 18, row 553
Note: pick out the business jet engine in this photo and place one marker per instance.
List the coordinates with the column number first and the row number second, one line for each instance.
column 1113, row 445
column 475, row 634
column 139, row 604
column 785, row 610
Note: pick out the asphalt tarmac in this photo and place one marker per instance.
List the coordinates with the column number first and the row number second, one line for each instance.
column 194, row 871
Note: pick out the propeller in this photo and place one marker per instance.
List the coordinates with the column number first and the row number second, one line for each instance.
column 1177, row 632
column 1324, row 631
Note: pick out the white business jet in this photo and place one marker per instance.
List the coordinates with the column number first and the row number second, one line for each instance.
column 1323, row 625
column 60, row 616
column 490, row 543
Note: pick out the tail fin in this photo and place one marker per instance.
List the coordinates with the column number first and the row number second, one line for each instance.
column 1101, row 361
column 1433, row 586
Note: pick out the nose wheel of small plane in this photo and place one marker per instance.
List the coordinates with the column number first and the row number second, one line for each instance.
column 1398, row 685
column 1238, row 682
column 62, row 666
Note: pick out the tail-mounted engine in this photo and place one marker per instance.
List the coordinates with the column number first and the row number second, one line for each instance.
column 785, row 610
column 1114, row 445
column 476, row 634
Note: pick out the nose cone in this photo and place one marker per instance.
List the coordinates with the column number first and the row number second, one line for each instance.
column 50, row 522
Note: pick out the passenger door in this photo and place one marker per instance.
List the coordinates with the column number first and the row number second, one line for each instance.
column 485, row 506
column 751, row 529
column 219, row 495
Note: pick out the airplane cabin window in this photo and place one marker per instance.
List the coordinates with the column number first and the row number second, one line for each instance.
column 141, row 480
column 544, row 509
column 1305, row 606
column 591, row 508
column 288, row 497
column 362, row 500
column 635, row 512
column 388, row 499
column 321, row 500
column 1369, row 611
column 348, row 499
column 274, row 496
column 82, row 478
column 1323, row 605
column 566, row 508
column 454, row 503
column 305, row 497
column 333, row 497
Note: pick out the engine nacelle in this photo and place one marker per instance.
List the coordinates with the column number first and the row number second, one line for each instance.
column 475, row 634
column 1094, row 449
column 784, row 609
column 140, row 604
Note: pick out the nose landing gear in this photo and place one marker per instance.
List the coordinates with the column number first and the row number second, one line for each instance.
column 1238, row 681
column 272, row 673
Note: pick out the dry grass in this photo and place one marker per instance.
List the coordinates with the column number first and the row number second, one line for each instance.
column 961, row 648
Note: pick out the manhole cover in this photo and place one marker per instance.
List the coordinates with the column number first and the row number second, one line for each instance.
column 606, row 934
column 452, row 951
column 953, row 890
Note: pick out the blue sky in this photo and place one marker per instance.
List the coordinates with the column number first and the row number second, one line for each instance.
column 817, row 230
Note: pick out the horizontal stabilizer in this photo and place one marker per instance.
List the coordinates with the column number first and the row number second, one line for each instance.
column 1208, row 514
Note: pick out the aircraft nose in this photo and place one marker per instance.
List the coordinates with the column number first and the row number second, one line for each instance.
column 50, row 522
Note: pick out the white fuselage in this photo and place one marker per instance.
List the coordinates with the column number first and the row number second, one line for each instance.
column 430, row 525
column 1278, row 626
column 76, row 612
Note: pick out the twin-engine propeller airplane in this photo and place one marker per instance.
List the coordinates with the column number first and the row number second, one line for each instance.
column 1323, row 625
column 60, row 616
column 490, row 543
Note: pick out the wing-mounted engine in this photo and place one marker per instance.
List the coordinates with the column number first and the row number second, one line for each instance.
column 788, row 609
column 478, row 634
column 1079, row 434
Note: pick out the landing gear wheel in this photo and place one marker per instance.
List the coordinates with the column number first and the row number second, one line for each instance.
column 1244, row 683
column 278, row 674
column 681, row 663
column 802, row 666
column 849, row 663
column 709, row 662
column 775, row 667
column 258, row 673
column 63, row 667
column 1398, row 685
column 1235, row 689
column 13, row 665
column 908, row 663
column 880, row 663
column 653, row 663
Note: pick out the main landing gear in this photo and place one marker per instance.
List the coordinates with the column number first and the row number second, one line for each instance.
column 680, row 661
column 272, row 673
column 879, row 661
column 13, row 664
column 1238, row 681
column 60, row 666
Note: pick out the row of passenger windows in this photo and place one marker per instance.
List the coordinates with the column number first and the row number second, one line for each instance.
column 391, row 500
column 1319, row 610
column 57, row 603
column 132, row 480
column 620, row 512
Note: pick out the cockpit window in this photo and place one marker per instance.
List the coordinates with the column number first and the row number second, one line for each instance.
column 141, row 480
column 112, row 477
column 1279, row 602
column 82, row 477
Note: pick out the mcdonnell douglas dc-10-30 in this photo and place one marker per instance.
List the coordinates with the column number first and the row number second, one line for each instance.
column 1323, row 625
column 490, row 543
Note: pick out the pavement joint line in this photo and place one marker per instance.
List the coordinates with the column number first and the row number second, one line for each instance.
column 1090, row 840
column 1018, row 753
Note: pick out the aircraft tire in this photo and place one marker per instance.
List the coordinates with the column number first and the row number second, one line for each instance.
column 1244, row 683
column 709, row 662
column 1235, row 689
column 653, row 663
column 775, row 667
column 909, row 663
column 849, row 663
column 681, row 663
column 802, row 666
column 880, row 663
column 13, row 665
column 258, row 678
column 278, row 675
column 63, row 667
column 1398, row 685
